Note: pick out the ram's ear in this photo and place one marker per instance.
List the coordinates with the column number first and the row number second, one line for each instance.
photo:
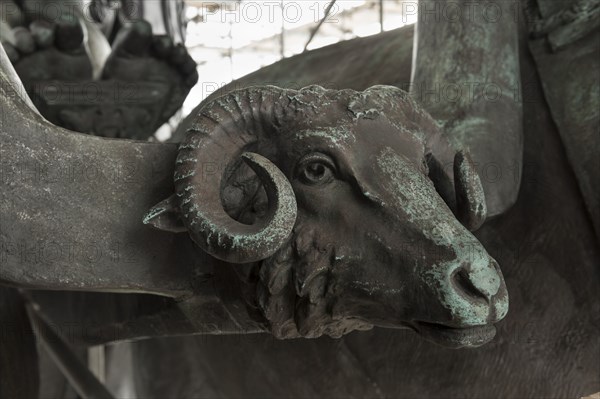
column 471, row 209
column 166, row 216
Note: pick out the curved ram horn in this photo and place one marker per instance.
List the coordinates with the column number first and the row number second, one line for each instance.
column 218, row 137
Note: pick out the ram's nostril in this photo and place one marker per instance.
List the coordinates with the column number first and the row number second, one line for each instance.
column 463, row 284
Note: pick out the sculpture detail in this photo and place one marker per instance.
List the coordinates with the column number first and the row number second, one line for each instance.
column 349, row 205
column 356, row 225
column 79, row 82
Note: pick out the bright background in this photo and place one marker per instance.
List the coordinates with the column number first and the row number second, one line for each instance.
column 230, row 39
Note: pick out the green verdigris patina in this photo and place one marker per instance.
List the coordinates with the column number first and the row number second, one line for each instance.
column 473, row 89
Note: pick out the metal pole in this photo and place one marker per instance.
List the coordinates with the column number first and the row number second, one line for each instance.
column 381, row 14
column 282, row 35
column 316, row 29
column 78, row 375
column 230, row 51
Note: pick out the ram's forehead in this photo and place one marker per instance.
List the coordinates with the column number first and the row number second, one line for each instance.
column 338, row 136
column 347, row 135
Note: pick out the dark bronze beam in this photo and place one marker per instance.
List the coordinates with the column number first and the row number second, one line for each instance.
column 71, row 219
column 466, row 74
column 72, row 207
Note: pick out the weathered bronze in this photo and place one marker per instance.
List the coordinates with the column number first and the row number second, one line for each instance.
column 471, row 87
column 547, row 345
column 350, row 159
column 374, row 187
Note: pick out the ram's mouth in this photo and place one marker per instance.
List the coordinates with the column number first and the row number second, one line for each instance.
column 452, row 337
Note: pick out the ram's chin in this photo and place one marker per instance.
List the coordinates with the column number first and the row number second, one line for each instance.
column 469, row 337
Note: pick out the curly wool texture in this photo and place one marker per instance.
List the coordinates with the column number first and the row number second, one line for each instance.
column 294, row 290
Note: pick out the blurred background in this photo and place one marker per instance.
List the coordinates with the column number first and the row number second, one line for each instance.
column 230, row 39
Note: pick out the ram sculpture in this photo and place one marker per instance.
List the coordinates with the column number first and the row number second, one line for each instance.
column 263, row 244
column 330, row 161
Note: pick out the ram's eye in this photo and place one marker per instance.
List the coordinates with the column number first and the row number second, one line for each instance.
column 316, row 168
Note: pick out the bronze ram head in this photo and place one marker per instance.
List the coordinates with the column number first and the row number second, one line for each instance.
column 351, row 208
